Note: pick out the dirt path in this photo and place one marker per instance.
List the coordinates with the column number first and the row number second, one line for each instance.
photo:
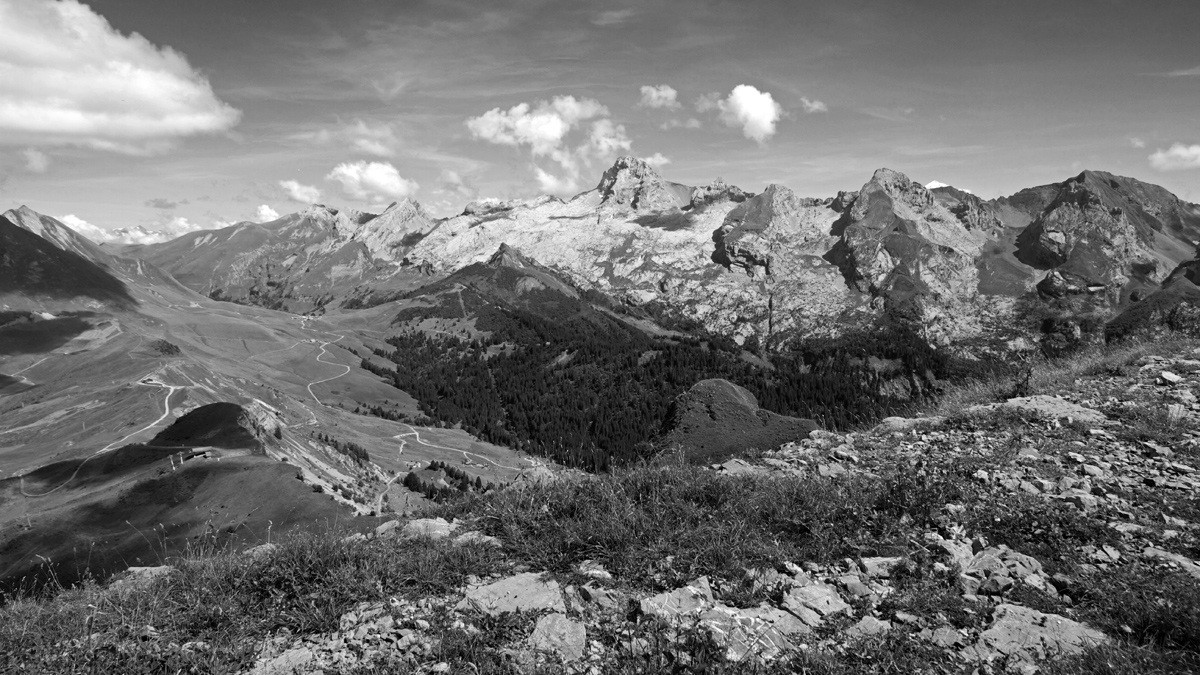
column 413, row 432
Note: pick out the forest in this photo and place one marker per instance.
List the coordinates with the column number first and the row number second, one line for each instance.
column 592, row 392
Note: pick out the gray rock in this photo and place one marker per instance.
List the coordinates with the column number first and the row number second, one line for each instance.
column 1186, row 564
column 527, row 592
column 135, row 578
column 1024, row 634
column 867, row 626
column 289, row 662
column 749, row 633
column 431, row 528
column 693, row 598
column 557, row 634
column 878, row 567
column 476, row 539
column 812, row 603
column 1055, row 408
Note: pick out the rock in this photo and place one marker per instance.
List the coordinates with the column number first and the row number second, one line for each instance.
column 748, row 633
column 387, row 529
column 904, row 424
column 945, row 637
column 476, row 539
column 260, row 552
column 1055, row 408
column 1167, row 377
column 634, row 184
column 430, row 528
column 1026, row 634
column 867, row 626
column 603, row 598
column 593, row 569
column 813, row 603
column 878, row 567
column 691, row 599
column 134, row 578
column 526, row 592
column 290, row 662
column 557, row 634
column 1186, row 564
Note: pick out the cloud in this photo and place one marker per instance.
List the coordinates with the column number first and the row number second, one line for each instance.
column 377, row 139
column 1185, row 72
column 372, row 181
column 553, row 185
column 690, row 123
column 36, row 161
column 614, row 16
column 657, row 160
column 98, row 235
column 1137, row 142
column 132, row 235
column 165, row 204
column 1176, row 158
column 298, row 192
column 756, row 112
column 812, row 105
column 662, row 96
column 67, row 77
column 454, row 182
column 266, row 214
column 544, row 128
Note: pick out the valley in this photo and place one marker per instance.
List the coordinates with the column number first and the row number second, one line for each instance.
column 371, row 365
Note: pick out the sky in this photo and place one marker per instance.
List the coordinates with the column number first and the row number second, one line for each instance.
column 157, row 117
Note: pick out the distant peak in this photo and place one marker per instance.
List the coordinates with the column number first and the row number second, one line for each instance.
column 507, row 256
column 631, row 182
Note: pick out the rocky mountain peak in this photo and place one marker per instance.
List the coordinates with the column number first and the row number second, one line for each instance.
column 717, row 191
column 507, row 256
column 634, row 184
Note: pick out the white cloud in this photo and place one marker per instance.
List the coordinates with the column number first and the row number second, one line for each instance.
column 662, row 96
column 378, row 139
column 97, row 234
column 266, row 214
column 299, row 192
column 454, row 182
column 707, row 102
column 67, row 77
column 756, row 112
column 372, row 181
column 135, row 234
column 613, row 17
column 813, row 105
column 1177, row 157
column 608, row 138
column 690, row 123
column 544, row 129
column 1185, row 72
column 553, row 185
column 1137, row 142
column 935, row 184
column 36, row 161
column 657, row 160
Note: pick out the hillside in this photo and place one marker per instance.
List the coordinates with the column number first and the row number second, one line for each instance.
column 1055, row 531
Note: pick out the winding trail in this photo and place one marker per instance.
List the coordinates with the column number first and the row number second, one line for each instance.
column 146, row 381
column 413, row 432
column 328, row 379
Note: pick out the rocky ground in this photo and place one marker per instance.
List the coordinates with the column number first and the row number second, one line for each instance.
column 1054, row 531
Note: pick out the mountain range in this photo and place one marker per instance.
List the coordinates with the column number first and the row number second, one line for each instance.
column 344, row 348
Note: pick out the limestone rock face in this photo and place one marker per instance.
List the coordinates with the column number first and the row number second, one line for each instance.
column 1108, row 230
column 299, row 262
column 717, row 191
column 716, row 418
column 632, row 183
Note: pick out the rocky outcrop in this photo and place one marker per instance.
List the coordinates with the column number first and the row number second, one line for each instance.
column 764, row 226
column 716, row 419
column 634, row 184
column 717, row 191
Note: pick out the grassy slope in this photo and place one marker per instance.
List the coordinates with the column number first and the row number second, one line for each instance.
column 659, row 526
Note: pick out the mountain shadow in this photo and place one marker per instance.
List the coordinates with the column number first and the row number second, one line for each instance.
column 32, row 266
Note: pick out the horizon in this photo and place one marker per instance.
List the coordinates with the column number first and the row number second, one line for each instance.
column 118, row 114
